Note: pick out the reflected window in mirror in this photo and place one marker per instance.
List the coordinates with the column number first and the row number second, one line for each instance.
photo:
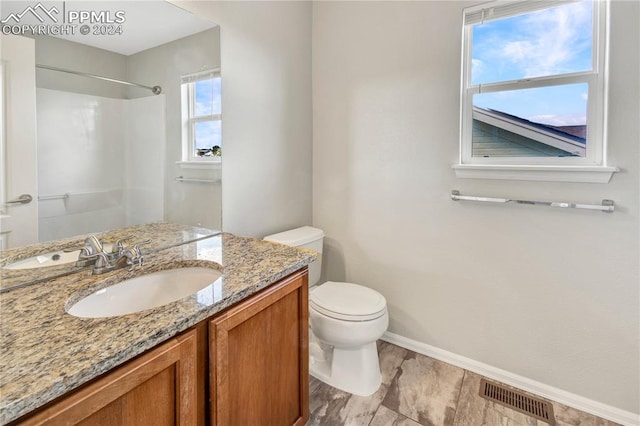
column 3, row 171
column 533, row 84
column 202, row 116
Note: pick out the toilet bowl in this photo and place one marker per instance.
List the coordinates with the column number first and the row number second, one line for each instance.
column 345, row 322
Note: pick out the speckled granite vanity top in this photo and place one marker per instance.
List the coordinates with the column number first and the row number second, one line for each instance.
column 157, row 236
column 46, row 352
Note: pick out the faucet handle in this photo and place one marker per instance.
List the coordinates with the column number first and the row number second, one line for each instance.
column 118, row 246
column 134, row 256
column 94, row 244
column 137, row 245
column 85, row 254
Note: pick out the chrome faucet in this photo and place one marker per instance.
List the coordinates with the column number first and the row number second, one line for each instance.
column 93, row 253
column 120, row 257
column 118, row 247
column 88, row 253
column 93, row 243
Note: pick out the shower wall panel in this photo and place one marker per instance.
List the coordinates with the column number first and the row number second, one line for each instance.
column 81, row 143
column 100, row 159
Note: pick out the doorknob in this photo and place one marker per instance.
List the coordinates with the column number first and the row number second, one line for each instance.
column 23, row 199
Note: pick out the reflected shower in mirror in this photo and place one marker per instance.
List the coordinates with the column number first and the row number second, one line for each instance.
column 108, row 154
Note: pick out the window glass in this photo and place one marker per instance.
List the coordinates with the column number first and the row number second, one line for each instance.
column 552, row 41
column 539, row 122
column 202, row 116
column 533, row 83
column 207, row 97
column 207, row 134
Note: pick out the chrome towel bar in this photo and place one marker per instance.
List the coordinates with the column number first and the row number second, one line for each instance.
column 184, row 179
column 53, row 197
column 607, row 206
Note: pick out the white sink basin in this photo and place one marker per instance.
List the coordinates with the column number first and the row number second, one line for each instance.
column 144, row 292
column 45, row 260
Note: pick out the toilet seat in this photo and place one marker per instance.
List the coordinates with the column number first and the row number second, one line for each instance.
column 347, row 302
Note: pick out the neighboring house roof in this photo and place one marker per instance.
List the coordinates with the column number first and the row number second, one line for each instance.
column 496, row 133
column 579, row 131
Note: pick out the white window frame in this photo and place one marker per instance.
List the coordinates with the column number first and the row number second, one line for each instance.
column 590, row 168
column 3, row 158
column 187, row 89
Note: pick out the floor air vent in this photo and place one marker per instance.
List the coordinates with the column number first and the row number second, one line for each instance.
column 534, row 407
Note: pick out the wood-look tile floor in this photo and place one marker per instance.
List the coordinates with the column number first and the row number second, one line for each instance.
column 418, row 390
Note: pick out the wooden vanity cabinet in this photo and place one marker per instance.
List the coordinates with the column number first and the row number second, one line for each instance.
column 258, row 351
column 256, row 374
column 158, row 388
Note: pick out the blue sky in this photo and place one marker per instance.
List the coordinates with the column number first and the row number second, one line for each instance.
column 208, row 133
column 552, row 41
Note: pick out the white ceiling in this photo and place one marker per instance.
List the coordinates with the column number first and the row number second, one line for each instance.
column 147, row 24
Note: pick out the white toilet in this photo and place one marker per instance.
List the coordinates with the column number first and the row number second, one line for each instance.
column 345, row 320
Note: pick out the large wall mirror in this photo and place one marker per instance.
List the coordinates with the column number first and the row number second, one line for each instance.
column 108, row 154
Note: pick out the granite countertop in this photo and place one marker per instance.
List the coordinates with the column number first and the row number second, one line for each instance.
column 157, row 236
column 46, row 352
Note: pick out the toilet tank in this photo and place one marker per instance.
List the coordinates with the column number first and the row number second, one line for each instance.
column 307, row 237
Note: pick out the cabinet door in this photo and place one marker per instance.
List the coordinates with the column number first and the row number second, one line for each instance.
column 158, row 388
column 259, row 358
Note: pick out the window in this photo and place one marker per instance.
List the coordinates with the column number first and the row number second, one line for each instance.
column 201, row 117
column 3, row 163
column 533, row 90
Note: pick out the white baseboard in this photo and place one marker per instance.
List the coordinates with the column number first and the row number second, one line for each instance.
column 581, row 403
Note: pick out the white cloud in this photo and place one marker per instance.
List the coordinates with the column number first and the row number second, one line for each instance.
column 477, row 68
column 549, row 40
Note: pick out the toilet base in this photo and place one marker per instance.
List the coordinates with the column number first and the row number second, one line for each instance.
column 354, row 370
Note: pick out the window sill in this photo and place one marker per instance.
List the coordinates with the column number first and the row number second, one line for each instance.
column 585, row 174
column 200, row 164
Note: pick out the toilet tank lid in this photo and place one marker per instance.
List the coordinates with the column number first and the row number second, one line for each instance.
column 296, row 237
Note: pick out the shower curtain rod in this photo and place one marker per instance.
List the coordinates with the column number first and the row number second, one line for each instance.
column 155, row 89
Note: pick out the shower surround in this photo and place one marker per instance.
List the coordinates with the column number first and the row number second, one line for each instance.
column 100, row 162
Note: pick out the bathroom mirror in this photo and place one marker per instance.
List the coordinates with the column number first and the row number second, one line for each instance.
column 110, row 155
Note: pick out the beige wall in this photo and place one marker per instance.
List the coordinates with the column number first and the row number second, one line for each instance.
column 266, row 98
column 186, row 203
column 549, row 294
column 66, row 54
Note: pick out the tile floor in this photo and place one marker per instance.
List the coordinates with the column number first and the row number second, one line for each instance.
column 418, row 390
